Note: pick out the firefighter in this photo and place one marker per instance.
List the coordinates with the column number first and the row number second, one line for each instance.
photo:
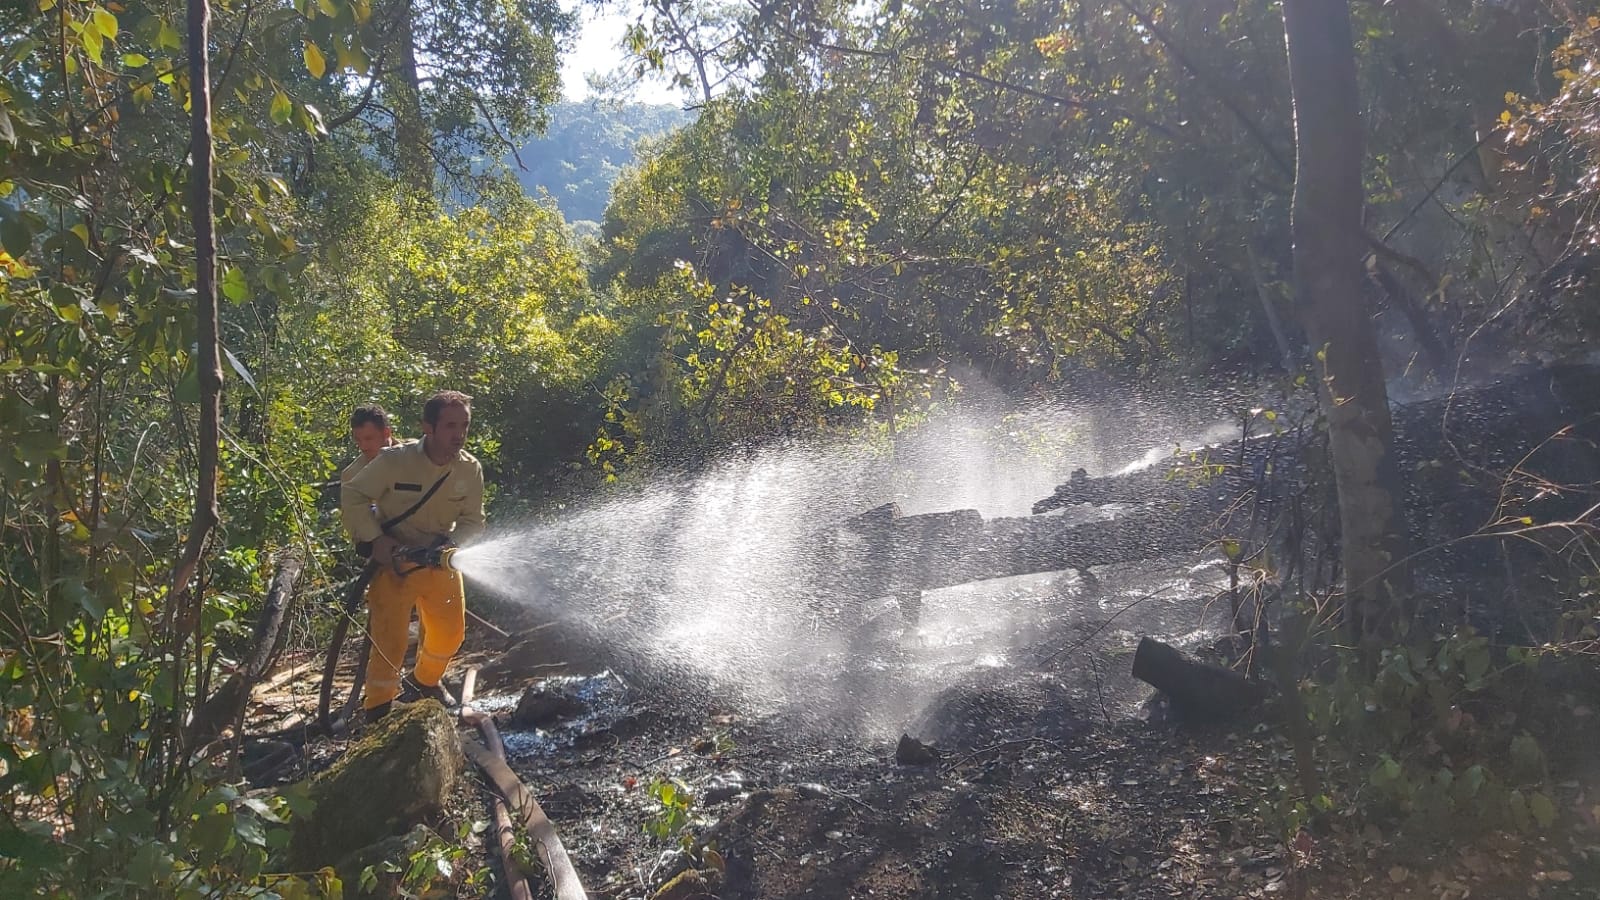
column 420, row 494
column 370, row 429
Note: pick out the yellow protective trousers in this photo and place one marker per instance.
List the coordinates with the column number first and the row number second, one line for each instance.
column 437, row 596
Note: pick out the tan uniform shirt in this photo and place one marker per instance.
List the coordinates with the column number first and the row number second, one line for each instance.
column 361, row 463
column 397, row 479
column 351, row 470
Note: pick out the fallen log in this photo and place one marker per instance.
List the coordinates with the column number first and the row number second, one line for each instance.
column 490, row 757
column 226, row 706
column 1199, row 691
column 886, row 554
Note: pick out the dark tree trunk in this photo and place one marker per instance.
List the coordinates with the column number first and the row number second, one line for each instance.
column 1328, row 249
column 227, row 704
column 208, row 362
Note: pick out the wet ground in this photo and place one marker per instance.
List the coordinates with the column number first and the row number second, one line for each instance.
column 1040, row 787
column 1052, row 773
column 1053, row 776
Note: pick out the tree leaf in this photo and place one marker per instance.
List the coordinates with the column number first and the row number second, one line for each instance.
column 354, row 59
column 282, row 108
column 93, row 44
column 1543, row 810
column 310, row 119
column 1520, row 815
column 7, row 133
column 316, row 63
column 28, row 847
column 234, row 285
column 105, row 23
column 135, row 60
column 168, row 38
column 188, row 390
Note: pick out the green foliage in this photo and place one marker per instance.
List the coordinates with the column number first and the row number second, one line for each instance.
column 1434, row 736
column 673, row 821
column 737, row 370
column 102, row 790
column 427, row 865
column 675, row 814
column 884, row 192
column 435, row 83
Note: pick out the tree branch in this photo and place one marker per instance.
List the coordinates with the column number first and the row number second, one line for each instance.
column 959, row 72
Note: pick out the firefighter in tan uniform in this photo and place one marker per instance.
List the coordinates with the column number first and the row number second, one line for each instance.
column 386, row 490
column 370, row 429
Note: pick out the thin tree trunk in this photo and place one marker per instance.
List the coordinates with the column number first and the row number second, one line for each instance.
column 1281, row 337
column 208, row 362
column 1328, row 249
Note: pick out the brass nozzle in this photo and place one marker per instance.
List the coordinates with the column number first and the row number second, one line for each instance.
column 447, row 558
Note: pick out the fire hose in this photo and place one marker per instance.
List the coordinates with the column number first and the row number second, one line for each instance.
column 437, row 556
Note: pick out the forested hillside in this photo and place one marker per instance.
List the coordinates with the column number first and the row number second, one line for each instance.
column 585, row 150
column 226, row 223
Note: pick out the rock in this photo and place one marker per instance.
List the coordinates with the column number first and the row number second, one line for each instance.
column 549, row 650
column 693, row 884
column 262, row 758
column 400, row 774
column 913, row 752
column 723, row 787
column 545, row 704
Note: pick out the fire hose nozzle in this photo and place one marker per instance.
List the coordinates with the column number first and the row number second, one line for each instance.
column 433, row 557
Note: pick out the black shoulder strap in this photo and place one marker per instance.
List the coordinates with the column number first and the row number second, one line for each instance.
column 417, row 505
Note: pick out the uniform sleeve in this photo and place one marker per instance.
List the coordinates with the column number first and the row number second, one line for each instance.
column 471, row 523
column 358, row 496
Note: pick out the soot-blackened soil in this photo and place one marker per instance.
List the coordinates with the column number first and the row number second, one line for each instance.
column 1054, row 776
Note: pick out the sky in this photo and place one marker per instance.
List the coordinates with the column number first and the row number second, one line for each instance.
column 599, row 49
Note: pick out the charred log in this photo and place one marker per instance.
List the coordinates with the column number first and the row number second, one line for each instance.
column 1199, row 691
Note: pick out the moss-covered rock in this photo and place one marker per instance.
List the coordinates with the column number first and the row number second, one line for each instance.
column 401, row 773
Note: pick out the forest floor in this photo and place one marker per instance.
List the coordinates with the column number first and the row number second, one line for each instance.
column 1054, row 776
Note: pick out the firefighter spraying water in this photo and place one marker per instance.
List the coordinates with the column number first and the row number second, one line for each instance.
column 408, row 509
